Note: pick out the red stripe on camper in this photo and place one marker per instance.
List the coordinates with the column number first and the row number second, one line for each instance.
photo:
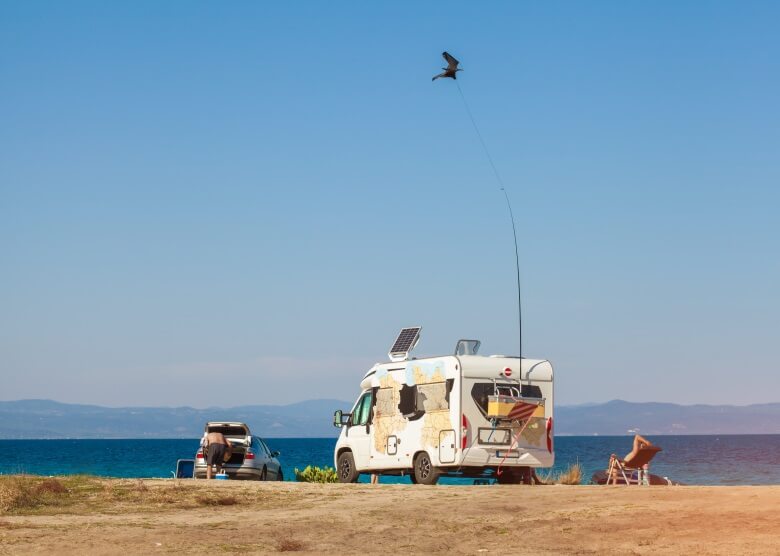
column 522, row 410
column 549, row 434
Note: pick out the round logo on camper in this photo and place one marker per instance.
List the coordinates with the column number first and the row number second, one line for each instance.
column 507, row 371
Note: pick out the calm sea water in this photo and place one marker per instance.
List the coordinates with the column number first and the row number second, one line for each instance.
column 696, row 460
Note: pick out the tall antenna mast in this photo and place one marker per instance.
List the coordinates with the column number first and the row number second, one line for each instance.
column 511, row 216
column 517, row 267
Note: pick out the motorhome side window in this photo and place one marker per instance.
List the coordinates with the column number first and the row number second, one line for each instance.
column 362, row 410
column 480, row 392
column 432, row 397
column 416, row 400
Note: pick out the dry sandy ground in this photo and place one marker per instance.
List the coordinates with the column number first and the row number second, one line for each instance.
column 359, row 519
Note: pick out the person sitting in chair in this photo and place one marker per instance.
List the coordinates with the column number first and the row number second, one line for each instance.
column 639, row 443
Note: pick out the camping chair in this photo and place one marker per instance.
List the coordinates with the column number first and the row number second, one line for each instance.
column 185, row 469
column 634, row 469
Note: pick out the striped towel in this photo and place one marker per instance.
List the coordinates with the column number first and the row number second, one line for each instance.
column 522, row 410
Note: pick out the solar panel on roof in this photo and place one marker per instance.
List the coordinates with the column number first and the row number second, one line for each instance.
column 405, row 342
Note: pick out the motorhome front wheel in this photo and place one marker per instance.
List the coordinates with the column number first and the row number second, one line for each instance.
column 347, row 471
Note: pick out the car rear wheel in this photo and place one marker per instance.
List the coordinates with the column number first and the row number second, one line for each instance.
column 264, row 474
column 347, row 471
column 424, row 471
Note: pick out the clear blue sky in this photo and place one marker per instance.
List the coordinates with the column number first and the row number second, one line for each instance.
column 232, row 203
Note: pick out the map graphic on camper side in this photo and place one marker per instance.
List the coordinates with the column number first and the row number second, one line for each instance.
column 534, row 432
column 423, row 372
column 429, row 381
column 387, row 420
column 431, row 385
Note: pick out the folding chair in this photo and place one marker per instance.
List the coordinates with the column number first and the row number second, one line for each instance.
column 633, row 469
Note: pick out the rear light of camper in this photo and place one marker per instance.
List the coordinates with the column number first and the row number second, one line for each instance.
column 507, row 372
column 249, row 455
column 465, row 433
column 199, row 455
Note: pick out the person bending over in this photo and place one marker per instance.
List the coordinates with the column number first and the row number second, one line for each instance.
column 216, row 446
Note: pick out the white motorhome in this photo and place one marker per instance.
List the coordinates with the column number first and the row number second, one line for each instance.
column 460, row 415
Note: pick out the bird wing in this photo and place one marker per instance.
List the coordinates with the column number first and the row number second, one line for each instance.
column 435, row 77
column 451, row 62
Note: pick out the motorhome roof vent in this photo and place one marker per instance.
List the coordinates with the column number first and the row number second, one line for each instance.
column 467, row 347
column 404, row 343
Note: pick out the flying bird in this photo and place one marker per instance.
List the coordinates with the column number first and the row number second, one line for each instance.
column 451, row 69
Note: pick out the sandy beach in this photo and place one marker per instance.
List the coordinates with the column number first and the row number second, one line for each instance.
column 116, row 516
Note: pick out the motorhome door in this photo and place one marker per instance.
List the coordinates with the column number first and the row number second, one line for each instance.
column 359, row 430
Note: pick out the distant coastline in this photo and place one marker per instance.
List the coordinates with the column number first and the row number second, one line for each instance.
column 47, row 419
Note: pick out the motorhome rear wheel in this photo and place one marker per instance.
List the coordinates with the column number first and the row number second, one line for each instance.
column 424, row 471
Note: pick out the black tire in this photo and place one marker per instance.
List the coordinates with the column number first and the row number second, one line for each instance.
column 280, row 475
column 347, row 471
column 264, row 474
column 424, row 471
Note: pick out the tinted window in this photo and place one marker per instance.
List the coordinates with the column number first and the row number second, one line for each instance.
column 481, row 390
column 228, row 431
column 362, row 410
column 416, row 400
column 531, row 391
column 407, row 404
column 265, row 447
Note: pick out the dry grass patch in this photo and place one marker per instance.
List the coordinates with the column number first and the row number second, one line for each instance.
column 572, row 475
column 50, row 486
column 19, row 493
column 88, row 495
column 290, row 545
column 217, row 500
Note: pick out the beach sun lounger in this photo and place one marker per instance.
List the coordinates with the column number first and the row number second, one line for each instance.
column 634, row 469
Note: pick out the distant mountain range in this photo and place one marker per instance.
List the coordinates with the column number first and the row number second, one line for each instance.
column 620, row 417
column 50, row 419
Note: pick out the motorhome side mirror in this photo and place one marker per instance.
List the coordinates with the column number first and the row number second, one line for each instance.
column 340, row 418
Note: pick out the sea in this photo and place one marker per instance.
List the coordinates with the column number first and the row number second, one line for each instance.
column 691, row 460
